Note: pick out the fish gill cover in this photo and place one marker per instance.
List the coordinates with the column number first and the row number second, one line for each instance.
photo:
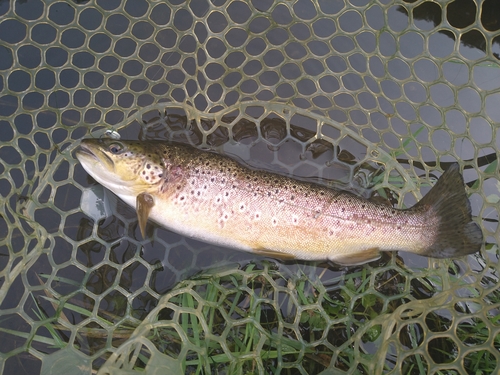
column 378, row 98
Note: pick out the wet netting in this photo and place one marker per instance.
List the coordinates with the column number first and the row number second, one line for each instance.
column 374, row 96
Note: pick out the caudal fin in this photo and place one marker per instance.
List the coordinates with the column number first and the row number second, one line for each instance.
column 457, row 234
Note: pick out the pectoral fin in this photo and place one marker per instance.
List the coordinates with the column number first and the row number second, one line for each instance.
column 355, row 259
column 144, row 204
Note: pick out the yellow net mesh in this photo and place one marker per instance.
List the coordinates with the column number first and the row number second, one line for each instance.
column 374, row 96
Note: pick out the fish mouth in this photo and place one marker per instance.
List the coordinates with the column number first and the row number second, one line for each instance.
column 83, row 151
column 91, row 153
column 95, row 161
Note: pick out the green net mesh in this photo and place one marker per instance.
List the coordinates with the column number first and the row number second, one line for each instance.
column 373, row 96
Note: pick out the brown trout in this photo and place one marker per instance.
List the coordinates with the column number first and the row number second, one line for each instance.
column 215, row 199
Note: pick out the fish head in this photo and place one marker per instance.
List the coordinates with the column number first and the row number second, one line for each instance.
column 128, row 168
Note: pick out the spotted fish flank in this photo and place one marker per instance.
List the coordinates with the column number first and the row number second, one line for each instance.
column 213, row 198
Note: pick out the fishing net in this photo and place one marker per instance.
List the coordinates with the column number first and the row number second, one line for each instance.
column 377, row 97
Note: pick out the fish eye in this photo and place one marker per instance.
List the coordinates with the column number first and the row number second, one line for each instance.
column 115, row 148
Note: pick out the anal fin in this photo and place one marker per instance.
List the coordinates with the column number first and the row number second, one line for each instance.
column 354, row 259
column 144, row 204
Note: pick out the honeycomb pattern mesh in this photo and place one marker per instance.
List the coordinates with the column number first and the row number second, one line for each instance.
column 375, row 96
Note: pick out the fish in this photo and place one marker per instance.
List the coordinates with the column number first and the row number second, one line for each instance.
column 216, row 199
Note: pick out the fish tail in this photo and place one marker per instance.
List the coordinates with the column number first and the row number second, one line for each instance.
column 456, row 233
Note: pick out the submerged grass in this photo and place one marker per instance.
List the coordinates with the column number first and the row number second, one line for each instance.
column 261, row 319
